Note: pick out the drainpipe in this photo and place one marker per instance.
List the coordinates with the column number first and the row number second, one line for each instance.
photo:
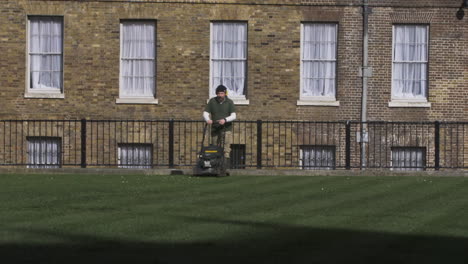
column 365, row 73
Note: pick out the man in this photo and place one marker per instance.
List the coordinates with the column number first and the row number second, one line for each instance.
column 220, row 112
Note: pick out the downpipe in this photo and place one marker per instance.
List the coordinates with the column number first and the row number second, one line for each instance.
column 366, row 72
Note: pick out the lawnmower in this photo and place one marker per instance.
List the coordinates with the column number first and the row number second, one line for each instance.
column 211, row 160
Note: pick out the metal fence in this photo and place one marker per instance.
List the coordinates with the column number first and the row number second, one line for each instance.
column 256, row 144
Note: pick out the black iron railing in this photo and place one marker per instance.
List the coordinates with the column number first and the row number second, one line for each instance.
column 256, row 144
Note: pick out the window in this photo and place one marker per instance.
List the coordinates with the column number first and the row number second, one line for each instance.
column 318, row 64
column 229, row 59
column 44, row 152
column 237, row 156
column 408, row 158
column 410, row 64
column 137, row 62
column 45, row 57
column 135, row 156
column 317, row 157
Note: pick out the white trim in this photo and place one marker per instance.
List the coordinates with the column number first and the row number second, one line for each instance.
column 136, row 101
column 408, row 103
column 318, row 102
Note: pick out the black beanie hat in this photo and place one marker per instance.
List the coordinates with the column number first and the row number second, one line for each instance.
column 221, row 88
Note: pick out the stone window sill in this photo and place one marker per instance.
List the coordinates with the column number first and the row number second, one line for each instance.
column 237, row 101
column 136, row 101
column 318, row 102
column 409, row 103
column 44, row 95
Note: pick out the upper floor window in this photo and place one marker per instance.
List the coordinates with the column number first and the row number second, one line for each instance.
column 137, row 62
column 318, row 63
column 229, row 58
column 410, row 63
column 45, row 56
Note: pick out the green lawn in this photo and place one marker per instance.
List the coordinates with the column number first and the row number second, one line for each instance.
column 238, row 219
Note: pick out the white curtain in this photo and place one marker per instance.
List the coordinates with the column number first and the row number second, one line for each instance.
column 138, row 54
column 318, row 158
column 229, row 56
column 135, row 156
column 45, row 53
column 409, row 61
column 43, row 153
column 408, row 159
column 319, row 59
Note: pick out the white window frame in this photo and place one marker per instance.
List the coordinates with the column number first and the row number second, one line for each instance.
column 135, row 99
column 407, row 166
column 238, row 100
column 316, row 148
column 35, row 153
column 410, row 102
column 135, row 146
column 317, row 100
column 42, row 93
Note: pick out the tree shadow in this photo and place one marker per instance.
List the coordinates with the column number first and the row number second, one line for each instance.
column 274, row 243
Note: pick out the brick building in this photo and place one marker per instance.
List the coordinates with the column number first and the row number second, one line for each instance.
column 282, row 60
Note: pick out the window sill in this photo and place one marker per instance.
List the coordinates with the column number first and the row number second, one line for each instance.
column 136, row 101
column 44, row 95
column 318, row 102
column 409, row 103
column 237, row 101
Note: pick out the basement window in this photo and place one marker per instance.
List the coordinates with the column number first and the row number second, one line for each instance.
column 44, row 152
column 317, row 157
column 408, row 158
column 135, row 156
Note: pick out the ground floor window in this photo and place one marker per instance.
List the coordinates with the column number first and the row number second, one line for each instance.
column 408, row 158
column 317, row 157
column 44, row 152
column 135, row 155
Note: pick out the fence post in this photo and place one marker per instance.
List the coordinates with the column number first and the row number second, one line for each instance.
column 348, row 145
column 437, row 145
column 259, row 144
column 83, row 143
column 171, row 143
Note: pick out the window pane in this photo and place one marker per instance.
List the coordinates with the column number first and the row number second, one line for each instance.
column 228, row 57
column 319, row 42
column 45, row 48
column 318, row 78
column 409, row 61
column 318, row 60
column 138, row 59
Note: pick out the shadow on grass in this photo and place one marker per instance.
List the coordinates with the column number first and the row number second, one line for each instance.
column 271, row 244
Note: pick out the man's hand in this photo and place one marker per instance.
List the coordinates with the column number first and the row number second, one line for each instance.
column 209, row 122
column 221, row 121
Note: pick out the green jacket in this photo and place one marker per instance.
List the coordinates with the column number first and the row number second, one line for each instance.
column 219, row 110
